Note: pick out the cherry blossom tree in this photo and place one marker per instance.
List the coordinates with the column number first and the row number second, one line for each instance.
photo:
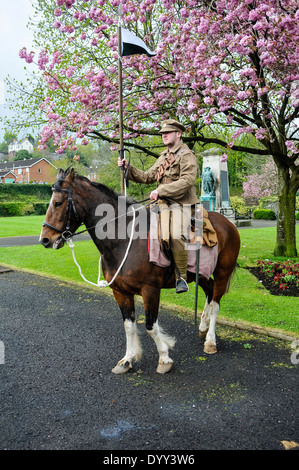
column 262, row 184
column 223, row 63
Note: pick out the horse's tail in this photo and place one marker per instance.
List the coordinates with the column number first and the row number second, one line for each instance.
column 230, row 279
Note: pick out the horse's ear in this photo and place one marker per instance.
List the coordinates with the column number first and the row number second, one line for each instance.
column 72, row 174
column 60, row 173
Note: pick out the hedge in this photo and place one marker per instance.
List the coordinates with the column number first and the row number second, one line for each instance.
column 11, row 209
column 15, row 191
column 265, row 214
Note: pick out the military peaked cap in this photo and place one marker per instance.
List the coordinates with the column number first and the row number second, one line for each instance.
column 171, row 125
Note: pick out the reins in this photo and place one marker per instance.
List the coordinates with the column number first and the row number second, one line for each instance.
column 104, row 283
column 67, row 235
column 111, row 220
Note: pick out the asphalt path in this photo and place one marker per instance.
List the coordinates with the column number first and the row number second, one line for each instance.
column 59, row 343
column 34, row 239
column 6, row 242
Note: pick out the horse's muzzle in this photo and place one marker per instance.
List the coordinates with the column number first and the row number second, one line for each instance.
column 47, row 243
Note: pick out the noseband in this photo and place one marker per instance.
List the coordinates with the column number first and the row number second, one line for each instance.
column 70, row 209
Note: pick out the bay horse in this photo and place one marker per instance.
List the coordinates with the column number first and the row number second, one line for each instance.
column 76, row 200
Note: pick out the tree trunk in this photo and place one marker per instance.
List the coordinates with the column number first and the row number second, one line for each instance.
column 286, row 224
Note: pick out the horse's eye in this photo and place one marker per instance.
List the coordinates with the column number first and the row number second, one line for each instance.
column 57, row 204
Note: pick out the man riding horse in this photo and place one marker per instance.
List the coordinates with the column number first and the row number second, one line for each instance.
column 175, row 172
column 75, row 200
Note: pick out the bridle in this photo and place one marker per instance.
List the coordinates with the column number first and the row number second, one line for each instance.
column 70, row 209
column 66, row 234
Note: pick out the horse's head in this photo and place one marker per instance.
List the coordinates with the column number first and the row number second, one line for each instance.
column 62, row 216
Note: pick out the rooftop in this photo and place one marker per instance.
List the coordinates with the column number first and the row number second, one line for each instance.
column 22, row 163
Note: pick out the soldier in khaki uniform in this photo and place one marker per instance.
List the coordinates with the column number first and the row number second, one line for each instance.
column 175, row 172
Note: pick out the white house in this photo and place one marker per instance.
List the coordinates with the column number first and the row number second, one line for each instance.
column 24, row 144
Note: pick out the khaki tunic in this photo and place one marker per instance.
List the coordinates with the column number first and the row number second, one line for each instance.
column 178, row 181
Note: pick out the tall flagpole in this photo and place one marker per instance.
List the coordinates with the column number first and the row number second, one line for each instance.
column 120, row 99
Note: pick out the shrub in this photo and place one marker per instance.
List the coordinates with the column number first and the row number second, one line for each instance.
column 40, row 208
column 238, row 203
column 28, row 209
column 297, row 216
column 267, row 202
column 12, row 209
column 21, row 192
column 270, row 202
column 264, row 214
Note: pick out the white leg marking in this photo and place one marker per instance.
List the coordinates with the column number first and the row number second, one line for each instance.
column 163, row 343
column 205, row 320
column 133, row 350
column 210, row 343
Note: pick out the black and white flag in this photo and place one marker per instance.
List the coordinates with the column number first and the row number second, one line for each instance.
column 131, row 44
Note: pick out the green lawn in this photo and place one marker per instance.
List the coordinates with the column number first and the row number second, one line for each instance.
column 259, row 243
column 18, row 226
column 247, row 300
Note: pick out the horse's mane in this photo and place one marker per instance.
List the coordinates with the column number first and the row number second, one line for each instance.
column 110, row 193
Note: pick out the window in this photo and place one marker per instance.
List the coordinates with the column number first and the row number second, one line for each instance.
column 39, row 170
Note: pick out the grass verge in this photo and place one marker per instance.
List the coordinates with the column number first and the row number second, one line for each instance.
column 21, row 226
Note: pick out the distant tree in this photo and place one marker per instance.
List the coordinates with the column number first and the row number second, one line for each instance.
column 7, row 139
column 264, row 183
column 22, row 155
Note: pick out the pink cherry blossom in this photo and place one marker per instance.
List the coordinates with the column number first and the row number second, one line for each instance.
column 263, row 184
column 233, row 64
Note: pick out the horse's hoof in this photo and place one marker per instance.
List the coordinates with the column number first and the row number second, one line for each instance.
column 122, row 368
column 210, row 348
column 164, row 368
column 202, row 334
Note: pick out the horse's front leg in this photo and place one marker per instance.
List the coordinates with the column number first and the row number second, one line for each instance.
column 204, row 320
column 207, row 286
column 133, row 348
column 151, row 299
column 210, row 342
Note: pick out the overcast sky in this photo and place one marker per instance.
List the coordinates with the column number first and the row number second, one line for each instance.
column 14, row 16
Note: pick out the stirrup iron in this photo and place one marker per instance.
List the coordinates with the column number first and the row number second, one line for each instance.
column 181, row 285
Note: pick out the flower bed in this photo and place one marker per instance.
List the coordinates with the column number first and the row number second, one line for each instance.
column 281, row 278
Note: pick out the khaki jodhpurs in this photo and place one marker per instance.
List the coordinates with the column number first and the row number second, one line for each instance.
column 175, row 224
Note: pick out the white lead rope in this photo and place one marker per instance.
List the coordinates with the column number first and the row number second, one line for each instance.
column 104, row 283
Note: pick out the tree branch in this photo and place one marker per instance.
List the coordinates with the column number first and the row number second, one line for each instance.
column 101, row 136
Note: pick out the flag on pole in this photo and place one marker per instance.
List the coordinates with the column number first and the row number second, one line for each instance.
column 131, row 44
